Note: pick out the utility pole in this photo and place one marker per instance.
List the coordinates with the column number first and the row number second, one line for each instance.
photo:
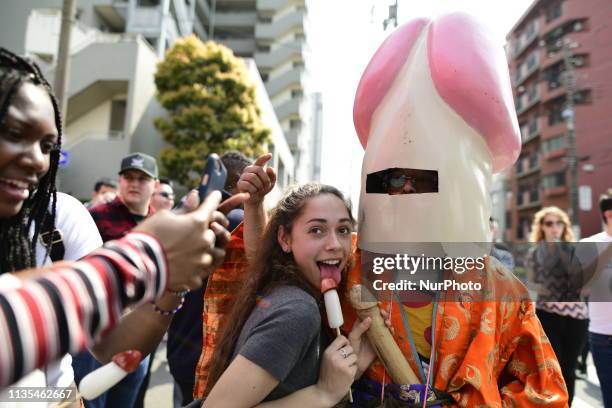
column 569, row 81
column 62, row 69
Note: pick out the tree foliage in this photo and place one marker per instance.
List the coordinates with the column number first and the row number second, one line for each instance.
column 211, row 108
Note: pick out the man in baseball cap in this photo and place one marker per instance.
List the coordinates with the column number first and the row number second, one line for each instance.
column 138, row 179
column 140, row 161
column 137, row 182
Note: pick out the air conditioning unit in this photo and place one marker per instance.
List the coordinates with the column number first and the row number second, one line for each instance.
column 578, row 62
column 578, row 26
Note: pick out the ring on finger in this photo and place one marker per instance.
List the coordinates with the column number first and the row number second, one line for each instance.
column 343, row 353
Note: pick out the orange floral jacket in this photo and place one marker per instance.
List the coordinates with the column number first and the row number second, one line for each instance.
column 490, row 352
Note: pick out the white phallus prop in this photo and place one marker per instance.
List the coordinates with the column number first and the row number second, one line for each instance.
column 105, row 377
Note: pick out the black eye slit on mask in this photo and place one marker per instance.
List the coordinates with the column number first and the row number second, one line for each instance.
column 396, row 180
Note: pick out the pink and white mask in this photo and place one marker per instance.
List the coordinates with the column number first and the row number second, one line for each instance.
column 435, row 114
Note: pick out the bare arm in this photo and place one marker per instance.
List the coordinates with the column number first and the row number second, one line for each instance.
column 143, row 328
column 257, row 181
column 336, row 375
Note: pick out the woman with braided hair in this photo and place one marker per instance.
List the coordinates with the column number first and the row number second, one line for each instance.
column 67, row 307
column 30, row 140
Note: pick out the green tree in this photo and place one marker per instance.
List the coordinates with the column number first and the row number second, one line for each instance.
column 211, row 108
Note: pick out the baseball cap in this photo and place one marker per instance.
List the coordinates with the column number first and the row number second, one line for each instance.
column 140, row 161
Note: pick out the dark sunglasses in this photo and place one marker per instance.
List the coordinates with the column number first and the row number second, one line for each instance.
column 396, row 180
column 551, row 223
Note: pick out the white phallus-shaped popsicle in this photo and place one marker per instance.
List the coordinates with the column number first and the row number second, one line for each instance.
column 102, row 379
column 333, row 309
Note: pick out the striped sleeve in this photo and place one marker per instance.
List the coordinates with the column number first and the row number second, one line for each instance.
column 62, row 308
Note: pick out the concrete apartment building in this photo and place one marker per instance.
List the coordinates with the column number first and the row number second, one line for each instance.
column 549, row 34
column 274, row 33
column 115, row 47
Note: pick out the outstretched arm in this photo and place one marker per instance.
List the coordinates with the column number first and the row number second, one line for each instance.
column 257, row 181
column 61, row 308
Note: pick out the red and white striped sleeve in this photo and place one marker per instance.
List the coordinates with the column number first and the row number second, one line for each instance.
column 61, row 308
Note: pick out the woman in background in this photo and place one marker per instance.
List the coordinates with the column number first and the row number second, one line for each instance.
column 552, row 266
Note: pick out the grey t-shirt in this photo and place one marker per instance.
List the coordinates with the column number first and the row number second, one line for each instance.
column 283, row 336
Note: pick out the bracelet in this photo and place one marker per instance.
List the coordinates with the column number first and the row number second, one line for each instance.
column 178, row 293
column 167, row 312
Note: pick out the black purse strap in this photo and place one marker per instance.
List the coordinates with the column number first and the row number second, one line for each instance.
column 53, row 241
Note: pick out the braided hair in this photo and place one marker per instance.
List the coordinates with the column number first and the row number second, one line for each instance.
column 16, row 249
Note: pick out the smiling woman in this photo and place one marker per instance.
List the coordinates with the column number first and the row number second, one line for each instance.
column 30, row 138
column 275, row 348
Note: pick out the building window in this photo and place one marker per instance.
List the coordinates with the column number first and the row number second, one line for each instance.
column 117, row 116
column 553, row 11
column 582, row 97
column 554, row 180
column 298, row 64
column 523, row 228
column 265, row 20
column 555, row 115
column 553, row 75
column 263, row 48
column 508, row 219
column 295, row 123
column 297, row 93
column 552, row 144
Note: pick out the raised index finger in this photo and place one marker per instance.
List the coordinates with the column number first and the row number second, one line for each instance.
column 263, row 159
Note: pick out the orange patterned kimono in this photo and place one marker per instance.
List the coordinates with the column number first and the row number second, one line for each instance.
column 488, row 353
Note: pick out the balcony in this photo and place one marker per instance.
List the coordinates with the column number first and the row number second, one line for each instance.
column 528, row 199
column 555, row 191
column 555, row 154
column 527, row 100
column 552, row 89
column 278, row 28
column 531, row 130
column 525, row 39
column 527, row 68
column 114, row 14
column 294, row 50
column 527, row 166
column 235, row 19
column 549, row 131
column 244, row 47
column 288, row 108
column 292, row 77
column 271, row 7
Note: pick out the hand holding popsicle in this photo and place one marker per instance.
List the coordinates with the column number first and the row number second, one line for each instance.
column 105, row 377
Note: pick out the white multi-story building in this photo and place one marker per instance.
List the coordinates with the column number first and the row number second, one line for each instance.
column 274, row 33
column 115, row 47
